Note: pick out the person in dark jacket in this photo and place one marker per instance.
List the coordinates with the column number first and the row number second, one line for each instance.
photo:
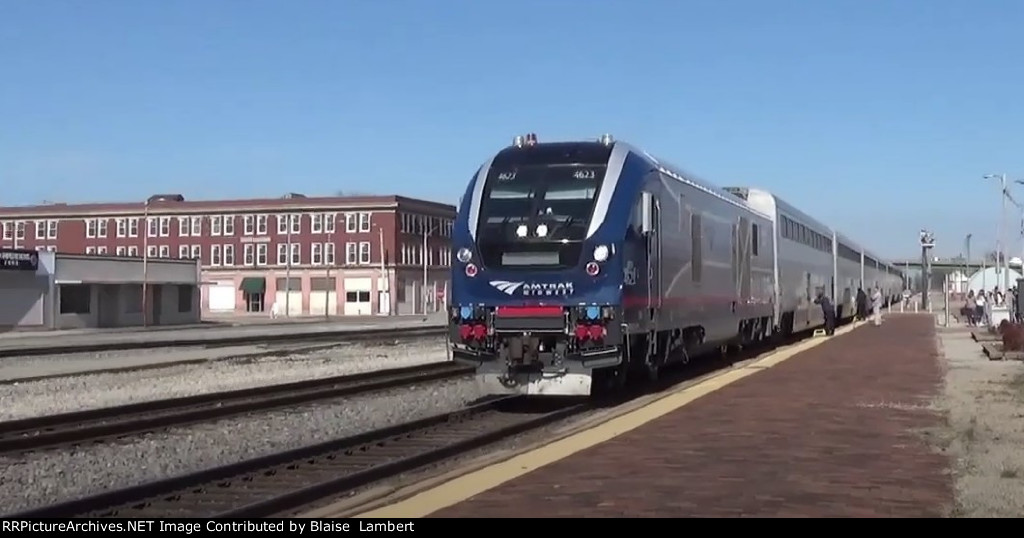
column 862, row 304
column 828, row 310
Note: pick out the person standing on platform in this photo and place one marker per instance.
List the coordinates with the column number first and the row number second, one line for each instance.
column 862, row 304
column 828, row 310
column 876, row 306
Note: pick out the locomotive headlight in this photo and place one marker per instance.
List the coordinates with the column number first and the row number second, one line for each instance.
column 522, row 230
column 542, row 230
column 600, row 253
column 464, row 255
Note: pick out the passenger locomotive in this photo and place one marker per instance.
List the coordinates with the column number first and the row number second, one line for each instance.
column 581, row 264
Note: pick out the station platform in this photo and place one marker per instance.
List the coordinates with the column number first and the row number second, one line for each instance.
column 12, row 343
column 841, row 428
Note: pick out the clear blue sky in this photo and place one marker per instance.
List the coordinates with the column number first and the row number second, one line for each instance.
column 878, row 117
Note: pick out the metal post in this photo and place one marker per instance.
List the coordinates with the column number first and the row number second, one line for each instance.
column 145, row 264
column 424, row 254
column 288, row 270
column 1002, row 230
column 945, row 300
column 384, row 272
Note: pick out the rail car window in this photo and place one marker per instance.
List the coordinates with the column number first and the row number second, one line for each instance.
column 696, row 253
column 800, row 233
column 755, row 238
column 848, row 253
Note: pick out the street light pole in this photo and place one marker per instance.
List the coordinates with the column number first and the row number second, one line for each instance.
column 1000, row 243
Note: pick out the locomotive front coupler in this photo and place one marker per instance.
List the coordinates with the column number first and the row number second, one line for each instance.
column 532, row 351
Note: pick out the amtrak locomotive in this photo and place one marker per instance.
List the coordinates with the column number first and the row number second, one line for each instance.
column 579, row 264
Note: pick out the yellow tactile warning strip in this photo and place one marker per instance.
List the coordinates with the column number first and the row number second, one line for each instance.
column 463, row 487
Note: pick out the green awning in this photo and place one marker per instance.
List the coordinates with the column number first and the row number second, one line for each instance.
column 253, row 284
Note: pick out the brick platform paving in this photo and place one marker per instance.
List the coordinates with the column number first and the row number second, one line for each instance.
column 833, row 432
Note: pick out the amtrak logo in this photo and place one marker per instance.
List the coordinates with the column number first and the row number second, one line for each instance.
column 533, row 289
column 506, row 286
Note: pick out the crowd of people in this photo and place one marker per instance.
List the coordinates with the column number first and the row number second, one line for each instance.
column 862, row 308
column 977, row 307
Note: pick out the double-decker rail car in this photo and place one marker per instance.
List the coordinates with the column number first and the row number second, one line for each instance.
column 848, row 275
column 579, row 263
column 804, row 260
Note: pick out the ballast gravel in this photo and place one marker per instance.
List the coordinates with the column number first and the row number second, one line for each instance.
column 65, row 394
column 52, row 476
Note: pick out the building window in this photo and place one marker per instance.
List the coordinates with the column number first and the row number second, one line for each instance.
column 364, row 252
column 316, row 223
column 357, row 296
column 215, row 255
column 229, row 225
column 40, row 229
column 316, row 250
column 8, row 230
column 351, row 253
column 165, row 226
column 282, row 224
column 102, row 251
column 133, row 251
column 101, row 228
column 215, row 225
column 329, row 253
column 19, row 229
column 90, row 228
column 133, row 227
column 75, row 299
column 183, row 226
column 229, row 255
column 121, row 227
column 197, row 227
column 197, row 252
column 121, row 251
column 183, row 251
column 52, row 248
column 261, row 254
column 249, row 255
column 330, row 220
column 250, row 224
column 364, row 222
column 165, row 251
column 351, row 222
column 151, row 251
column 261, row 225
column 90, row 250
column 282, row 253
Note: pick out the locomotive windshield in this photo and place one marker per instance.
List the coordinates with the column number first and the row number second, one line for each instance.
column 536, row 214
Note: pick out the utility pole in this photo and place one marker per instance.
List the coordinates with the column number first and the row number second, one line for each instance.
column 426, row 250
column 927, row 243
column 288, row 269
column 967, row 262
column 145, row 264
column 329, row 219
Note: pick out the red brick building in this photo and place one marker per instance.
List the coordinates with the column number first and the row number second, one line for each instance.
column 335, row 255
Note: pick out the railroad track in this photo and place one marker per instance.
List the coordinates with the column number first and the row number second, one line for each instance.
column 104, row 424
column 281, row 482
column 219, row 341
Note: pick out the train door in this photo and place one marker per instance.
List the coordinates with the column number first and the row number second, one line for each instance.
column 743, row 244
column 651, row 210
